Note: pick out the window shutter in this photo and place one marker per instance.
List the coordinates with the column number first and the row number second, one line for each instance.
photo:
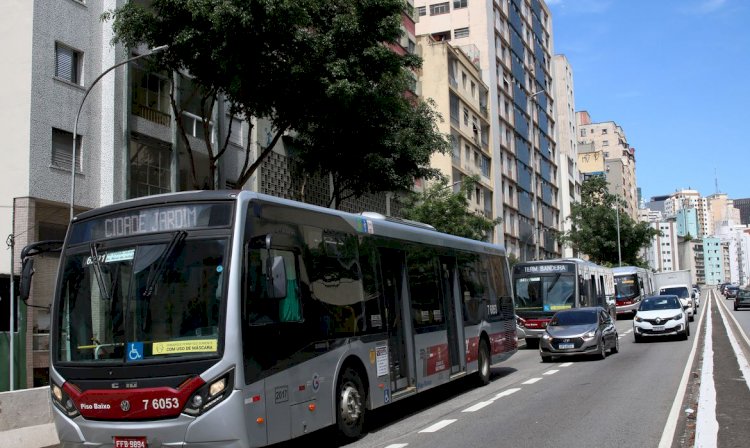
column 66, row 63
column 62, row 150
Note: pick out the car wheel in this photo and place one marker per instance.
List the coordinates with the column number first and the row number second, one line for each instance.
column 691, row 318
column 602, row 350
column 616, row 347
column 736, row 308
column 532, row 343
column 483, row 367
column 546, row 358
column 638, row 337
column 350, row 402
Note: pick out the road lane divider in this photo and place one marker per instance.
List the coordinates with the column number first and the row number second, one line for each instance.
column 736, row 323
column 739, row 353
column 567, row 364
column 674, row 414
column 506, row 392
column 550, row 372
column 397, row 445
column 706, row 425
column 439, row 425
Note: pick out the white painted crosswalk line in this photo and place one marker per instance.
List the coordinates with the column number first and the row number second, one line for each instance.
column 438, row 426
column 550, row 372
column 532, row 381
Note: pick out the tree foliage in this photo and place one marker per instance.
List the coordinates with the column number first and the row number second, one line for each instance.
column 594, row 227
column 322, row 69
column 448, row 211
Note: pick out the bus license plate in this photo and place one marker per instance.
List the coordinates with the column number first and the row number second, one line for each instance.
column 130, row 442
column 565, row 346
column 658, row 327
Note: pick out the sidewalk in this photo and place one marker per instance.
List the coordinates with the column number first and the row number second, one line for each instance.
column 39, row 436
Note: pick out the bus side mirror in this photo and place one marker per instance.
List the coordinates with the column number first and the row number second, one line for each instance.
column 277, row 278
column 27, row 271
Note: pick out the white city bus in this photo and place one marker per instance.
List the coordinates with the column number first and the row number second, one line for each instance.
column 541, row 288
column 632, row 284
column 239, row 319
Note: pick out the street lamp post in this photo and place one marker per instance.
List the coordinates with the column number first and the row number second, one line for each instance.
column 80, row 107
column 535, row 209
column 617, row 214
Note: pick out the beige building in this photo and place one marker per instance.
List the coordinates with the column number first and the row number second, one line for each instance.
column 453, row 81
column 608, row 139
column 513, row 42
column 567, row 144
column 722, row 209
column 687, row 199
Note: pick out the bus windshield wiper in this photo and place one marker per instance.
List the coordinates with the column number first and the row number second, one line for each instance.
column 96, row 265
column 163, row 261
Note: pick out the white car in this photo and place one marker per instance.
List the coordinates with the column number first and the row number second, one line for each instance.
column 661, row 316
column 697, row 297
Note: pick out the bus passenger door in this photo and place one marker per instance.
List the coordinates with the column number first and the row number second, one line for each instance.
column 392, row 272
column 450, row 305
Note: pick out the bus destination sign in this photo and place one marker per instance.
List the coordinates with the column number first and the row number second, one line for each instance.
column 547, row 268
column 152, row 220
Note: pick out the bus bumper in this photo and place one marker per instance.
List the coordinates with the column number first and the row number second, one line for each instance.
column 222, row 426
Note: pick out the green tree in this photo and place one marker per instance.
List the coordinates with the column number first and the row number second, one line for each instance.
column 322, row 70
column 594, row 227
column 448, row 211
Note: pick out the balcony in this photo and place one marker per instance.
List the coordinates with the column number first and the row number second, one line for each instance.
column 152, row 115
column 40, row 342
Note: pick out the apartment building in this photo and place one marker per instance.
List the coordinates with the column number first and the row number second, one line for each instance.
column 687, row 200
column 610, row 145
column 514, row 45
column 743, row 205
column 713, row 252
column 567, row 143
column 663, row 254
column 452, row 79
column 127, row 146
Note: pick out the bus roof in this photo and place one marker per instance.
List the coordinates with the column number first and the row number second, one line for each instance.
column 624, row 270
column 370, row 223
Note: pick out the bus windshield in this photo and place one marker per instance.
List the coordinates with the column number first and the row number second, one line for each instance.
column 626, row 287
column 545, row 292
column 148, row 301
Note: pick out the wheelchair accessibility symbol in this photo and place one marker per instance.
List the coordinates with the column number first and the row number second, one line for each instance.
column 135, row 351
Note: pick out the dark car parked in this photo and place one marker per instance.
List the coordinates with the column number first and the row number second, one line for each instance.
column 742, row 299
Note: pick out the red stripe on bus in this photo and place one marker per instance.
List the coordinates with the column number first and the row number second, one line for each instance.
column 132, row 404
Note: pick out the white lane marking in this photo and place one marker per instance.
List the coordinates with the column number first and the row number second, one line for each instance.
column 506, row 392
column 397, row 445
column 567, row 364
column 550, row 372
column 438, row 426
column 629, row 331
column 741, row 359
column 742, row 332
column 532, row 381
column 706, row 425
column 478, row 406
column 674, row 414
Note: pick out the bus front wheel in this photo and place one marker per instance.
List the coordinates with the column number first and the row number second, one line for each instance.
column 350, row 404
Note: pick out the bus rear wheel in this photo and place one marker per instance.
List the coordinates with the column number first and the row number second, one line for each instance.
column 483, row 364
column 350, row 404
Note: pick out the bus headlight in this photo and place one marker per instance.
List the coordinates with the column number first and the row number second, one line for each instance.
column 211, row 394
column 62, row 401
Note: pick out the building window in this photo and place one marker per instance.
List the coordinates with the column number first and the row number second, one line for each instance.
column 236, row 135
column 583, row 132
column 439, row 8
column 421, row 10
column 460, row 32
column 605, row 143
column 457, row 4
column 68, row 63
column 62, row 150
column 604, row 131
column 150, row 166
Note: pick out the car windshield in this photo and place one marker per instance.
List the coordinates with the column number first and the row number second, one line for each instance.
column 578, row 317
column 743, row 294
column 545, row 292
column 679, row 291
column 626, row 286
column 660, row 303
column 137, row 302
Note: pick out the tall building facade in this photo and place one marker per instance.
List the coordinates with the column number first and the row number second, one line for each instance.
column 713, row 261
column 663, row 254
column 609, row 145
column 743, row 205
column 514, row 45
column 567, row 143
column 453, row 81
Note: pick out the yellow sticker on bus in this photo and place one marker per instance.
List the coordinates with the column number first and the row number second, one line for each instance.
column 559, row 307
column 192, row 346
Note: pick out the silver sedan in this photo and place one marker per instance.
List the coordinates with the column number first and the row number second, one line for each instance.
column 579, row 331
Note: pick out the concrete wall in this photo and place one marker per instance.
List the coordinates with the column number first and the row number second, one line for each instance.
column 26, row 419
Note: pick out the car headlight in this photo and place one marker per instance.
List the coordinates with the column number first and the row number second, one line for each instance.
column 546, row 336
column 638, row 318
column 677, row 317
column 589, row 335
